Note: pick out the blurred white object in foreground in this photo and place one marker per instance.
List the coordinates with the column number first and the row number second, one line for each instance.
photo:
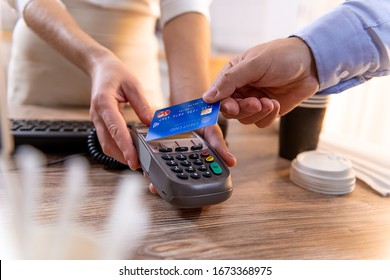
column 23, row 237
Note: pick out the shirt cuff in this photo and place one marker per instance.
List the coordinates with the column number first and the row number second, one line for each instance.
column 173, row 8
column 341, row 49
column 19, row 5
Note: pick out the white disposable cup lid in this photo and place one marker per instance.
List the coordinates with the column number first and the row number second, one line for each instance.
column 323, row 164
column 320, row 101
column 315, row 101
column 323, row 190
column 322, row 96
column 320, row 179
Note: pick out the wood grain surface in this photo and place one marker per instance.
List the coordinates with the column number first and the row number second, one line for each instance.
column 267, row 217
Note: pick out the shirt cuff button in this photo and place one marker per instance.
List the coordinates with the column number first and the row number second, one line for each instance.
column 343, row 74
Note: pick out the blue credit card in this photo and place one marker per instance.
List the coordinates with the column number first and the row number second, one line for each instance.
column 183, row 117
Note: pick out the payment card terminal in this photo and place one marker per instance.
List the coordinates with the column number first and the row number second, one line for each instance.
column 185, row 170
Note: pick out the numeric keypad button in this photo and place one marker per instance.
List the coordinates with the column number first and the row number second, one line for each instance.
column 182, row 176
column 172, row 163
column 185, row 163
column 167, row 157
column 181, row 157
column 177, row 169
column 195, row 175
column 193, row 156
column 190, row 169
column 202, row 168
column 198, row 162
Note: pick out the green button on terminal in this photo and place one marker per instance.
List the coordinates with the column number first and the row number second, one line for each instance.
column 216, row 168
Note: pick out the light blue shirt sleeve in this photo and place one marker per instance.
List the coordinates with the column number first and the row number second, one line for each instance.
column 350, row 44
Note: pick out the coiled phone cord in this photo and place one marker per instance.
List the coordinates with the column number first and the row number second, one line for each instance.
column 96, row 152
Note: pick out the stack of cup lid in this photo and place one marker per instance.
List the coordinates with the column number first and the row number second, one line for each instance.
column 315, row 101
column 323, row 172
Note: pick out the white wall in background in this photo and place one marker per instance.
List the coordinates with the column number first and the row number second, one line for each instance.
column 238, row 25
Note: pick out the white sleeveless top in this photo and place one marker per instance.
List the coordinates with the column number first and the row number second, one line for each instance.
column 38, row 75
